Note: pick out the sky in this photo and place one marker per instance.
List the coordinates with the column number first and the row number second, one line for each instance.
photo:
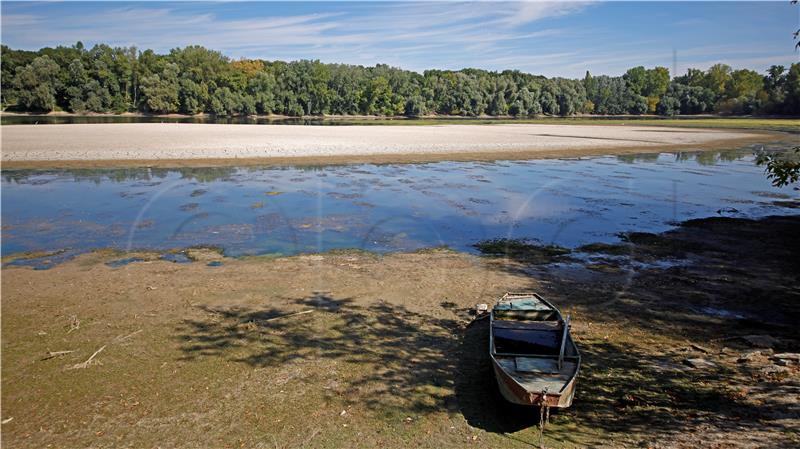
column 548, row 38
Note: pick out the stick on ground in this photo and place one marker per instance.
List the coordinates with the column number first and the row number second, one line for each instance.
column 288, row 315
column 53, row 354
column 88, row 361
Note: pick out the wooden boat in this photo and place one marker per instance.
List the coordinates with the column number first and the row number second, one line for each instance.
column 535, row 359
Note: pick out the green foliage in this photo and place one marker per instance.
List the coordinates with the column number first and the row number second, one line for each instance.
column 162, row 91
column 525, row 250
column 782, row 168
column 35, row 84
column 683, row 99
column 194, row 80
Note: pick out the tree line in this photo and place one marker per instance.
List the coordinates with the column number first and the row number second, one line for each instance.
column 195, row 80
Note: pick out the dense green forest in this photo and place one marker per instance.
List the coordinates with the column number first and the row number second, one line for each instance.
column 196, row 80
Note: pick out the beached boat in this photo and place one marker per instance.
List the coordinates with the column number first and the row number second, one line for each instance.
column 535, row 359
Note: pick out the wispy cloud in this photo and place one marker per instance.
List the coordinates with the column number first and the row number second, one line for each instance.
column 551, row 38
column 368, row 34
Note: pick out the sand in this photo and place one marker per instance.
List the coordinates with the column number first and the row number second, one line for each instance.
column 159, row 142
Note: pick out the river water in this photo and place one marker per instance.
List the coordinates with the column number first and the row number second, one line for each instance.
column 395, row 207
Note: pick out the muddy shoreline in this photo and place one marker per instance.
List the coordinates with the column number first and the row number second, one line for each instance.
column 389, row 355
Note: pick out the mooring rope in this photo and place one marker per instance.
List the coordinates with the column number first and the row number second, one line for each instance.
column 544, row 416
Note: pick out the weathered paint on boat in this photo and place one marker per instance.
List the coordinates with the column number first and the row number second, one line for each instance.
column 524, row 378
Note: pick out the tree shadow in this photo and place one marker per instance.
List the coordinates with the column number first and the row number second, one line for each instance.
column 399, row 354
column 734, row 277
column 412, row 362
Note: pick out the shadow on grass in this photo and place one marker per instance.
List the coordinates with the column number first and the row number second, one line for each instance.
column 736, row 277
column 393, row 353
column 621, row 390
column 413, row 363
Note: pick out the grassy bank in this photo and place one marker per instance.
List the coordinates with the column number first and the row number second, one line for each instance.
column 385, row 353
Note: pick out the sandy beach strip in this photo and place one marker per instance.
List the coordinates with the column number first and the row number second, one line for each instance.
column 215, row 144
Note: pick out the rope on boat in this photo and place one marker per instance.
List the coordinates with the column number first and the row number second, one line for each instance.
column 544, row 416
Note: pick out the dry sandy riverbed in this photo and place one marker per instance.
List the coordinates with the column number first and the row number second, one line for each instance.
column 212, row 144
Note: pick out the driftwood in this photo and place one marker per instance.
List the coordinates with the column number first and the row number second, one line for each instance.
column 88, row 361
column 54, row 354
column 288, row 315
column 122, row 338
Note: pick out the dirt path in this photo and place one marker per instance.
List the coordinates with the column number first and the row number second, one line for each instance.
column 386, row 355
column 175, row 144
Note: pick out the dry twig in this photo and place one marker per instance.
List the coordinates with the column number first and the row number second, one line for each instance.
column 88, row 361
column 74, row 323
column 288, row 315
column 121, row 338
column 53, row 354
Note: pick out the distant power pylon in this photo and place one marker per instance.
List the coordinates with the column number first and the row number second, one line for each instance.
column 674, row 63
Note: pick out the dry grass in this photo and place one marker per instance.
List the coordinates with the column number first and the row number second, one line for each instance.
column 199, row 356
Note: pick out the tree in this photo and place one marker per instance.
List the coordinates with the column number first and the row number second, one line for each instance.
column 717, row 78
column 415, row 106
column 261, row 88
column 636, row 79
column 162, row 91
column 744, row 83
column 194, row 80
column 36, row 83
column 782, row 168
column 379, row 98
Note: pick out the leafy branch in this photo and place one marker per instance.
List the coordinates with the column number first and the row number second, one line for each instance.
column 781, row 168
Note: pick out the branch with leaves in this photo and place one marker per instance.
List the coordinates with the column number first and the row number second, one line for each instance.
column 782, row 168
column 796, row 33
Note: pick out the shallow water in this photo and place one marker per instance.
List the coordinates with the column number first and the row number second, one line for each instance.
column 248, row 211
column 256, row 120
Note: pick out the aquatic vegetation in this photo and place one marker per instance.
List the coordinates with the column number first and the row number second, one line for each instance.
column 524, row 250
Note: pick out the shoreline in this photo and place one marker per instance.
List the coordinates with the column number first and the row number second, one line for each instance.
column 676, row 342
column 193, row 145
column 205, row 115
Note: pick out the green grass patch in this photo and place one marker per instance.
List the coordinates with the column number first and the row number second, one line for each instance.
column 523, row 250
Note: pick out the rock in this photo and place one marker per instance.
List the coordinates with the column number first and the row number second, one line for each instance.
column 749, row 356
column 700, row 348
column 761, row 341
column 775, row 369
column 699, row 363
column 787, row 358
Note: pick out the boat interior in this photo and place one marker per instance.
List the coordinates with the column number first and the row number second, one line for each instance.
column 528, row 341
column 534, row 332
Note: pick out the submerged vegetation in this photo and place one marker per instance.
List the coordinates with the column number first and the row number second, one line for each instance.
column 194, row 80
column 523, row 250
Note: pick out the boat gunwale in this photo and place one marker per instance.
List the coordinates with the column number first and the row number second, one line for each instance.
column 493, row 354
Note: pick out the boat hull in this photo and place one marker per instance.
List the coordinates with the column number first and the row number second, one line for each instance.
column 517, row 394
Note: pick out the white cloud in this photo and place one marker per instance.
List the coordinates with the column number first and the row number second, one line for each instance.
column 414, row 35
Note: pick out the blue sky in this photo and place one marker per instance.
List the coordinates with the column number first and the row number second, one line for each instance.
column 553, row 39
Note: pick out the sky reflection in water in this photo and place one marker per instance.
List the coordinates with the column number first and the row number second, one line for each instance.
column 377, row 207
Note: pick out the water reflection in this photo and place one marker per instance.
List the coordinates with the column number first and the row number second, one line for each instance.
column 288, row 210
